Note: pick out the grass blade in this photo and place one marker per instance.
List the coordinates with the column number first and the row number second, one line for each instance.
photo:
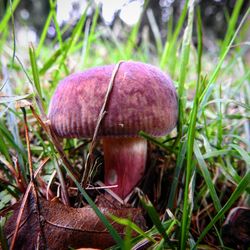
column 185, row 51
column 8, row 14
column 44, row 33
column 206, row 175
column 154, row 217
column 191, row 131
column 133, row 226
column 91, row 35
column 210, row 85
column 35, row 71
column 169, row 50
column 245, row 155
column 179, row 164
column 72, row 40
column 104, row 220
column 231, row 25
column 245, row 182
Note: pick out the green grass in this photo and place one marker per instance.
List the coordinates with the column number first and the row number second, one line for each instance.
column 210, row 148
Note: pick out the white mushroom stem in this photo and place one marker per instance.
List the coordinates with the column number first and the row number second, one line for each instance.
column 124, row 160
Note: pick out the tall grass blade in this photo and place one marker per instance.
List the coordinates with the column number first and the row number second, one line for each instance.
column 51, row 61
column 148, row 206
column 44, row 33
column 211, row 83
column 35, row 71
column 179, row 165
column 185, row 51
column 185, row 222
column 245, row 155
column 91, row 35
column 231, row 25
column 207, row 177
column 104, row 220
column 8, row 15
column 244, row 183
column 169, row 51
column 72, row 40
column 156, row 31
column 133, row 226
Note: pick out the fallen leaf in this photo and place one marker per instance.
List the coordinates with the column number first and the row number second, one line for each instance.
column 52, row 225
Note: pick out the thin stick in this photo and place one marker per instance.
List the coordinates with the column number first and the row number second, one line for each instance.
column 103, row 112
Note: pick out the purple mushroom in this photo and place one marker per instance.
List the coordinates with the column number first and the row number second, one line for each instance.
column 142, row 98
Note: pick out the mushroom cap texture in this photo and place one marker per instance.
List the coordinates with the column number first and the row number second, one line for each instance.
column 142, row 98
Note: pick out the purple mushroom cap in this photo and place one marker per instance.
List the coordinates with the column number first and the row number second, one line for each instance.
column 142, row 98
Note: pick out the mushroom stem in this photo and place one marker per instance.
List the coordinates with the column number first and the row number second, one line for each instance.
column 125, row 160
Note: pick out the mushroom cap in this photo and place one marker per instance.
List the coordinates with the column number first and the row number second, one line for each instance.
column 142, row 98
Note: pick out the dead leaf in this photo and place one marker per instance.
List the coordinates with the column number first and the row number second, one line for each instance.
column 60, row 226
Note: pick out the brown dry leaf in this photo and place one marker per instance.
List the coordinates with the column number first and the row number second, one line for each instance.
column 56, row 226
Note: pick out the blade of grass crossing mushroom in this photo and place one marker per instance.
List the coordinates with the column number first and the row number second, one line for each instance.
column 104, row 220
column 185, row 220
column 240, row 189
